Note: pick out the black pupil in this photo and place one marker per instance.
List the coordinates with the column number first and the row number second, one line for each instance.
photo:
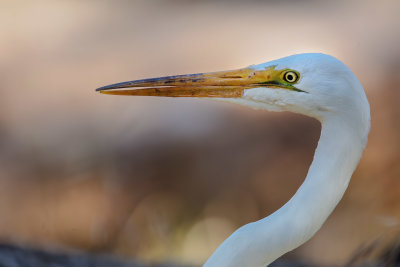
column 290, row 77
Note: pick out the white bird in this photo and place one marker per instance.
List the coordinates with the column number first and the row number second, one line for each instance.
column 316, row 85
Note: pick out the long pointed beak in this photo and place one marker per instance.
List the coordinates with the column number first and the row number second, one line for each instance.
column 214, row 84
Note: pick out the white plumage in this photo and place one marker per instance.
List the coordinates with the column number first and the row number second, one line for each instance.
column 327, row 90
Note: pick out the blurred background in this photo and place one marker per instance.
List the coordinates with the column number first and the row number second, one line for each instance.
column 166, row 180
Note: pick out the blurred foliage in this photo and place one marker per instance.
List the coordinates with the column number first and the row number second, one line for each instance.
column 166, row 179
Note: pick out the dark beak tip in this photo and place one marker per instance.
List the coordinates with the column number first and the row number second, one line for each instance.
column 114, row 86
column 101, row 88
column 107, row 87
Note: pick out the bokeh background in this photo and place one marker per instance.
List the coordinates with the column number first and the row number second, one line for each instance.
column 168, row 179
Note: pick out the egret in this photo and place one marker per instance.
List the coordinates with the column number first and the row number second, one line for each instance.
column 312, row 84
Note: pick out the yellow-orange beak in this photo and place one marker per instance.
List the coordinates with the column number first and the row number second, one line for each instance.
column 214, row 84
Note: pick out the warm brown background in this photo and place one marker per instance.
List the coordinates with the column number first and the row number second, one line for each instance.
column 169, row 179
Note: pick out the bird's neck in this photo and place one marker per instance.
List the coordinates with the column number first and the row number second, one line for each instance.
column 336, row 157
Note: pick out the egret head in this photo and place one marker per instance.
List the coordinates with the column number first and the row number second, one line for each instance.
column 313, row 84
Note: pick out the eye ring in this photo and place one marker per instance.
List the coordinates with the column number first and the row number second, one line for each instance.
column 290, row 77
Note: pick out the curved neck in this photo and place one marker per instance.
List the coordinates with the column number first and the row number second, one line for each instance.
column 336, row 157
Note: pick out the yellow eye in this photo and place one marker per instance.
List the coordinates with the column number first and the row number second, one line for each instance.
column 291, row 77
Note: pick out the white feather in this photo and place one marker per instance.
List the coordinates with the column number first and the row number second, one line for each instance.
column 335, row 97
